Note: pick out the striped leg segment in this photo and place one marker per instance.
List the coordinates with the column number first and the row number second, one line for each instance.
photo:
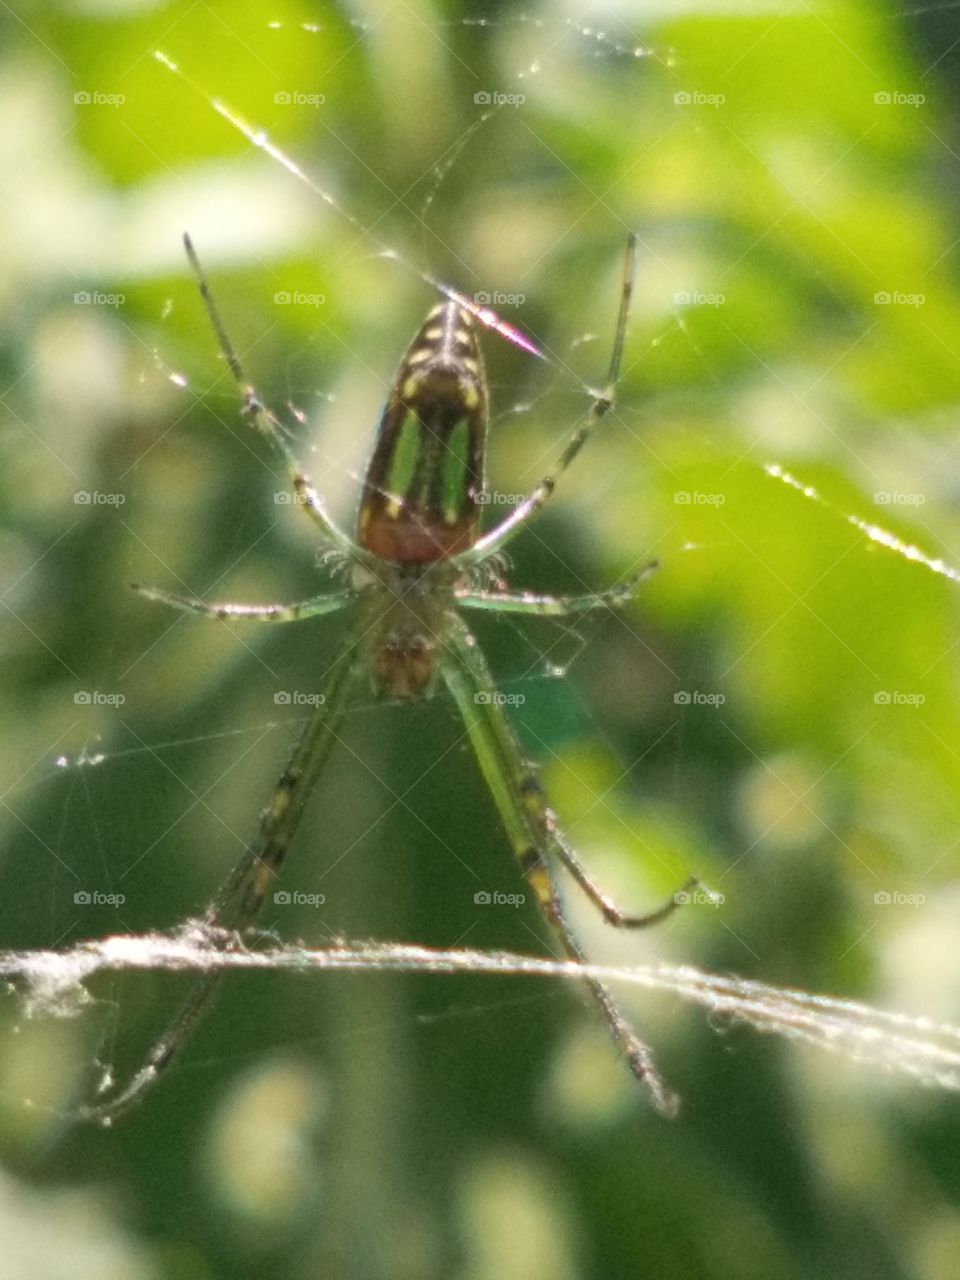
column 497, row 537
column 264, row 421
column 557, row 606
column 313, row 608
column 247, row 887
column 532, row 830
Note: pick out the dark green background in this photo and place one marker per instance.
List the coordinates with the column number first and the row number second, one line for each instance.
column 381, row 1126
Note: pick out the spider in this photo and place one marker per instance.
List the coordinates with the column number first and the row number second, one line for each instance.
column 417, row 562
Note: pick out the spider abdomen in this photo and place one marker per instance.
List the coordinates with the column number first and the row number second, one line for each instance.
column 421, row 493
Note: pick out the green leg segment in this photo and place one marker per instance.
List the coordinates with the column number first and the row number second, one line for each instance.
column 532, row 829
column 245, row 890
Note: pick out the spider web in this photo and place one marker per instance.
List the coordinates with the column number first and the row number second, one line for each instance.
column 799, row 504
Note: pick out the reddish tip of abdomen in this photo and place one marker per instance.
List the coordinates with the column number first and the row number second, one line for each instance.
column 409, row 541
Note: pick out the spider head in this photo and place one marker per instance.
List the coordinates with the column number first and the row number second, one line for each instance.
column 404, row 665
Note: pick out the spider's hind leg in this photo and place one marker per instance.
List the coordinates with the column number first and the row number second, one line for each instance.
column 263, row 420
column 603, row 402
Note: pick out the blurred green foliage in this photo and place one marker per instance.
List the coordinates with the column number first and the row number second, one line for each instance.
column 791, row 174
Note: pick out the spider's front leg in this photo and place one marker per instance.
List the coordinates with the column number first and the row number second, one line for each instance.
column 536, row 839
column 248, row 885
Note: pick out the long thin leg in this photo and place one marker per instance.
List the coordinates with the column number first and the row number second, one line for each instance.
column 498, row 536
column 556, row 606
column 606, row 905
column 243, row 892
column 264, row 421
column 313, row 608
column 532, row 829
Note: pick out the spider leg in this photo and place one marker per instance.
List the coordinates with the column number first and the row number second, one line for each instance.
column 557, row 606
column 315, row 607
column 533, row 833
column 244, row 891
column 266, row 422
column 605, row 904
column 603, row 402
